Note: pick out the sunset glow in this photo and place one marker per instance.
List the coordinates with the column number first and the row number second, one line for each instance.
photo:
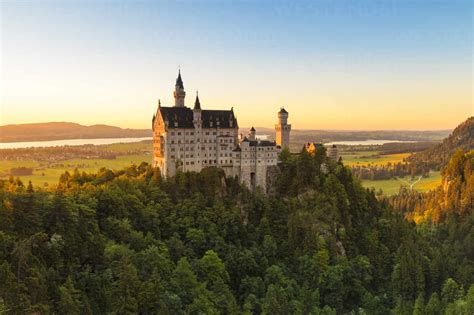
column 334, row 64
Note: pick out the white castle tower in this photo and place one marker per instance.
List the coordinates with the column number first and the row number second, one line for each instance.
column 179, row 93
column 283, row 130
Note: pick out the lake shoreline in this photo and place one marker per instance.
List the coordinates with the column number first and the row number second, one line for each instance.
column 70, row 142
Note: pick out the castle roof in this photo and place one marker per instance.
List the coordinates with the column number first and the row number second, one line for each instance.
column 283, row 111
column 197, row 103
column 179, row 81
column 262, row 143
column 183, row 116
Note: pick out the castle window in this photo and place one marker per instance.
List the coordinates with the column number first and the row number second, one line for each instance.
column 192, row 133
column 179, row 133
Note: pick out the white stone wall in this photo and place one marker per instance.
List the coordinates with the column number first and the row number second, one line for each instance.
column 251, row 163
column 194, row 149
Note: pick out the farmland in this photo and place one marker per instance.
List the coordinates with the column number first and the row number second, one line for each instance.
column 47, row 172
column 389, row 186
column 365, row 158
column 392, row 186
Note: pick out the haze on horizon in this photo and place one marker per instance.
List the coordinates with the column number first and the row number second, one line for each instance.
column 345, row 65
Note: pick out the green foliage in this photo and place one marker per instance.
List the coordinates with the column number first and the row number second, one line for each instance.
column 129, row 241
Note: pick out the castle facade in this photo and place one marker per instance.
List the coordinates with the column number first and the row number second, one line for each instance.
column 186, row 139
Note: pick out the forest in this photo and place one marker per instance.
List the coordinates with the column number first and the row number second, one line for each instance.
column 133, row 242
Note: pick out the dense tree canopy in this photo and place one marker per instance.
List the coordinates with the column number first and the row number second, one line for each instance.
column 130, row 241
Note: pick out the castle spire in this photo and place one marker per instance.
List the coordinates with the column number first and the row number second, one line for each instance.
column 197, row 103
column 179, row 93
column 179, row 80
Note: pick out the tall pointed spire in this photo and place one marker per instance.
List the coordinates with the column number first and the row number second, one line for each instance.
column 179, row 80
column 197, row 103
column 179, row 93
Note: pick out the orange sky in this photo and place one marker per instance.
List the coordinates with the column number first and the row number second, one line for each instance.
column 104, row 63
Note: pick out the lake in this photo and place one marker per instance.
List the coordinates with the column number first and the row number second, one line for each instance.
column 57, row 143
column 366, row 142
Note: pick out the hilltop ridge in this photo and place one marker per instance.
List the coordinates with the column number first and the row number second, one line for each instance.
column 438, row 156
column 65, row 130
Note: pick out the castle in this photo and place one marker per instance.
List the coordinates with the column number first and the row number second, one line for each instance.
column 186, row 139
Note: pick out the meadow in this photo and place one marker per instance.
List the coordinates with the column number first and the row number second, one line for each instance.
column 364, row 158
column 392, row 186
column 389, row 186
column 47, row 173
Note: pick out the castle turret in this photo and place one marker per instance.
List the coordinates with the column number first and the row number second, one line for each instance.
column 197, row 120
column 283, row 130
column 252, row 134
column 179, row 93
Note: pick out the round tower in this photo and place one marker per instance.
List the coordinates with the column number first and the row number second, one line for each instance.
column 283, row 129
column 252, row 134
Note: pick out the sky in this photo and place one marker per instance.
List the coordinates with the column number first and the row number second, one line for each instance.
column 333, row 64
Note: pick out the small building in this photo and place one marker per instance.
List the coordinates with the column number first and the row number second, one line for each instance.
column 313, row 147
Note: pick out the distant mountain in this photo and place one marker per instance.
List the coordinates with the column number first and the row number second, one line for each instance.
column 65, row 130
column 323, row 136
column 299, row 137
column 439, row 155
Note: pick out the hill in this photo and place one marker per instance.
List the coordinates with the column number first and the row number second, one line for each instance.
column 454, row 197
column 65, row 130
column 439, row 155
column 132, row 242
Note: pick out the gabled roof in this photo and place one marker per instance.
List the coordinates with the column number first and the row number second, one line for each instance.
column 182, row 117
column 283, row 111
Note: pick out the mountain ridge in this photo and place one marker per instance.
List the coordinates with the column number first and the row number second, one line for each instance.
column 64, row 131
column 438, row 156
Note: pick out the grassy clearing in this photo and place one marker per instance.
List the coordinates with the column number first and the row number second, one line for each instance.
column 371, row 157
column 392, row 186
column 126, row 147
column 45, row 175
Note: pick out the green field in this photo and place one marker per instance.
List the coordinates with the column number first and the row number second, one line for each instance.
column 389, row 186
column 392, row 186
column 45, row 175
column 364, row 158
